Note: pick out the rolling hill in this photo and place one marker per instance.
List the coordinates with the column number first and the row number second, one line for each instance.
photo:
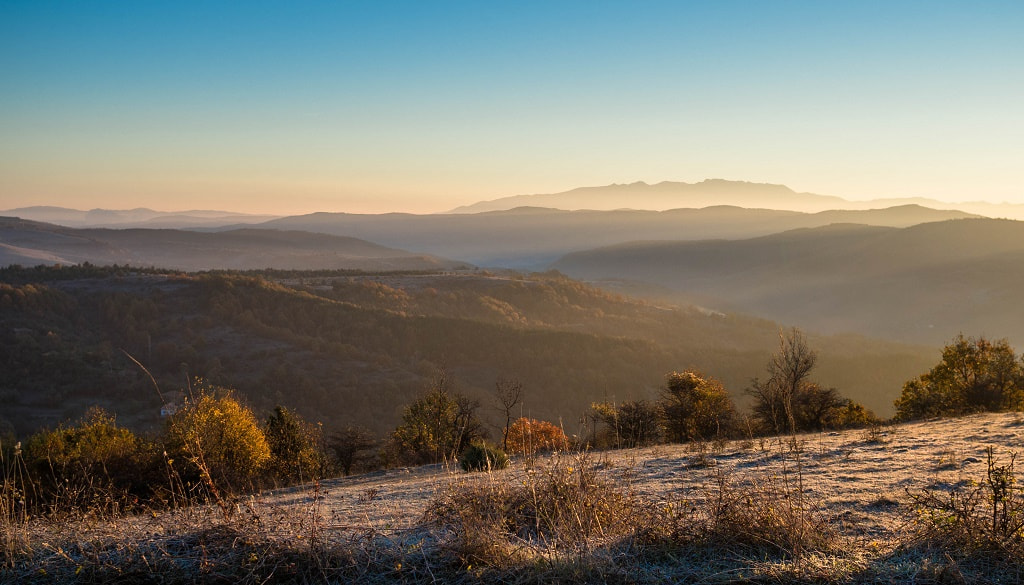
column 531, row 238
column 920, row 284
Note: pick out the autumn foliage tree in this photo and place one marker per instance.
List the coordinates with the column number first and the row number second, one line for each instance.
column 527, row 436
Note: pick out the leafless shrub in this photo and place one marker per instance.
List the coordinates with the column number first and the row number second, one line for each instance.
column 983, row 520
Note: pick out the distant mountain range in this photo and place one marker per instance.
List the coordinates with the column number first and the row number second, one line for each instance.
column 31, row 243
column 713, row 192
column 920, row 284
column 139, row 217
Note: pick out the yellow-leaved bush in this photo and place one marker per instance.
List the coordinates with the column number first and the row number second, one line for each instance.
column 219, row 439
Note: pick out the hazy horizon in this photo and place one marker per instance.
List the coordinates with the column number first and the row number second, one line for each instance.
column 280, row 109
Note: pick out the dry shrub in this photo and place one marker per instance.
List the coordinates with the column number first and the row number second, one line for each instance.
column 562, row 508
column 768, row 514
column 984, row 520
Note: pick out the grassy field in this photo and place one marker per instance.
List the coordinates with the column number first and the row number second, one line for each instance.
column 925, row 502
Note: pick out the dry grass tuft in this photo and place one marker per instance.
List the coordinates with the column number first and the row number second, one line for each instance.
column 769, row 515
column 551, row 512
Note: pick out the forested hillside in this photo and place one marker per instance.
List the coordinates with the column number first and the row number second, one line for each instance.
column 355, row 348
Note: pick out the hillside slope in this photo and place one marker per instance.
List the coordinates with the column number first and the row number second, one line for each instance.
column 344, row 348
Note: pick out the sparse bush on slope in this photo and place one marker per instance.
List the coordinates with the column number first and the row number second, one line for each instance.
column 787, row 401
column 93, row 465
column 562, row 506
column 353, row 448
column 982, row 521
column 695, row 407
column 633, row 423
column 482, row 457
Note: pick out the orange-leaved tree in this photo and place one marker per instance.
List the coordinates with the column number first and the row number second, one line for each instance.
column 527, row 436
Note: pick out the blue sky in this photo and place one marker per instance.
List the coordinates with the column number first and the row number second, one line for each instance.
column 379, row 106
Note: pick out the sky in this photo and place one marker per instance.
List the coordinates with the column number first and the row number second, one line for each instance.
column 293, row 107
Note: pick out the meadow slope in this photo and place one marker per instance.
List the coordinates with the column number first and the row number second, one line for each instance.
column 864, row 487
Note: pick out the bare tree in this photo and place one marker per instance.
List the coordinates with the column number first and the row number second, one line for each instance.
column 788, row 370
column 509, row 392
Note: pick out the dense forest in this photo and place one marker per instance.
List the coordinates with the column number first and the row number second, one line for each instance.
column 350, row 347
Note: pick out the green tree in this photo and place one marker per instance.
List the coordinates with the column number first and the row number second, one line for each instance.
column 695, row 407
column 973, row 375
column 437, row 426
column 295, row 453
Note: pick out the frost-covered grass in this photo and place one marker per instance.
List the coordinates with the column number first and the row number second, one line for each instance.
column 925, row 502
